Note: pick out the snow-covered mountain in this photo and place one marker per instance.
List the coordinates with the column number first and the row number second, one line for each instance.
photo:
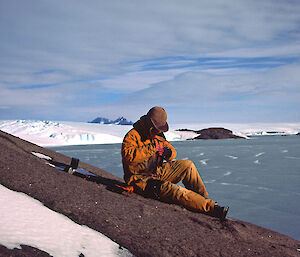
column 56, row 133
column 101, row 120
column 118, row 121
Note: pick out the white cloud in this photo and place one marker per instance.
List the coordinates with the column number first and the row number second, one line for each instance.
column 222, row 95
column 105, row 33
column 138, row 80
column 101, row 46
column 282, row 49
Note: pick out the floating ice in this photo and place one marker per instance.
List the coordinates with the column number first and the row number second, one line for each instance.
column 292, row 157
column 265, row 188
column 259, row 154
column 233, row 184
column 232, row 157
column 204, row 162
column 210, row 181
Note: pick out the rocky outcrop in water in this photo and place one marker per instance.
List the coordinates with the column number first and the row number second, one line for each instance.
column 213, row 133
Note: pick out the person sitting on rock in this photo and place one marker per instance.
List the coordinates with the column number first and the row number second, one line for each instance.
column 149, row 166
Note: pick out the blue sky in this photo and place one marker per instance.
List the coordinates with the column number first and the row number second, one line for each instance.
column 203, row 61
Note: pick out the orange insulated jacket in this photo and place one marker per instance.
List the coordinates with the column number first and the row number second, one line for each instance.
column 139, row 158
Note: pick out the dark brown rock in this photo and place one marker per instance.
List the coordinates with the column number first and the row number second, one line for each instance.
column 25, row 251
column 215, row 133
column 212, row 133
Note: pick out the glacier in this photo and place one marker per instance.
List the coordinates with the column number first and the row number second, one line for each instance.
column 60, row 133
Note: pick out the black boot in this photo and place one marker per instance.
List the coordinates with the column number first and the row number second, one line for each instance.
column 220, row 212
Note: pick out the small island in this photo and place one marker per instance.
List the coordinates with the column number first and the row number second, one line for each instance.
column 213, row 133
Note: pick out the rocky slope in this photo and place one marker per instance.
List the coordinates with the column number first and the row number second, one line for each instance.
column 145, row 227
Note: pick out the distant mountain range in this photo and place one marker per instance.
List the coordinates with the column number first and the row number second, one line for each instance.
column 118, row 121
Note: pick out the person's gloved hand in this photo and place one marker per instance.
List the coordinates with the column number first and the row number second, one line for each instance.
column 167, row 152
column 163, row 151
column 159, row 149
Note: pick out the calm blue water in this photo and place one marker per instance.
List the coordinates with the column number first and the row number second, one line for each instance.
column 258, row 178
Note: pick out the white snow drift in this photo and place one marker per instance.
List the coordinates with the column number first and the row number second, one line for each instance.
column 26, row 221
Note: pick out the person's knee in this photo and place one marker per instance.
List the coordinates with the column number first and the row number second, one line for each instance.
column 188, row 164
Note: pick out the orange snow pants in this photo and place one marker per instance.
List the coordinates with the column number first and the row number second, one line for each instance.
column 193, row 196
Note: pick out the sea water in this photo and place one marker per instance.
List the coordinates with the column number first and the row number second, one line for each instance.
column 258, row 178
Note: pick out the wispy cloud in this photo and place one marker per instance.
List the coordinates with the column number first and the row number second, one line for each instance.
column 261, row 95
column 111, row 56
